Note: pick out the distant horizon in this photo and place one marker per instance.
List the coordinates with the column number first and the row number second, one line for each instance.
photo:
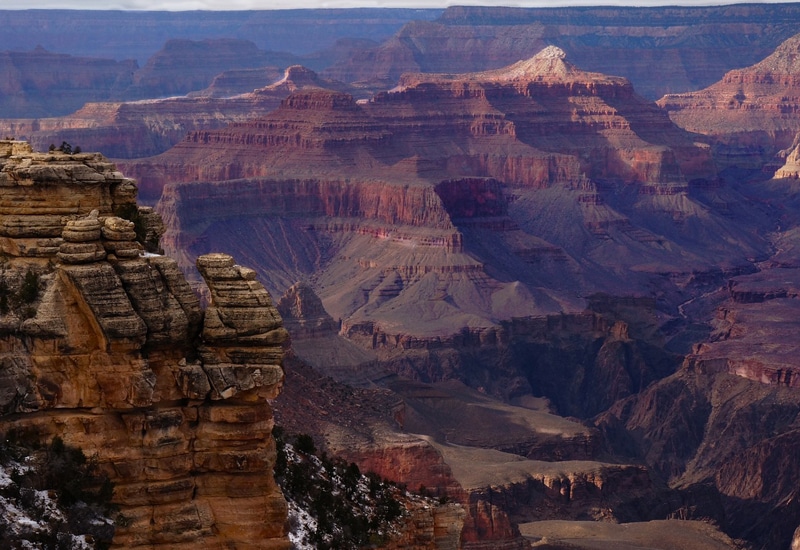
column 256, row 5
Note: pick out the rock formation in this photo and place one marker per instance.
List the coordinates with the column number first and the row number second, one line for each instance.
column 690, row 47
column 149, row 127
column 558, row 178
column 183, row 66
column 501, row 463
column 791, row 165
column 238, row 81
column 108, row 349
column 723, row 429
column 751, row 112
column 535, row 124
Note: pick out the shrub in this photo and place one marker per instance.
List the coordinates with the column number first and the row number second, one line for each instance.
column 351, row 510
column 304, row 443
column 58, row 477
column 29, row 290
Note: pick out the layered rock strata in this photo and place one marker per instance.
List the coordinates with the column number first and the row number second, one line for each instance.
column 535, row 123
column 132, row 129
column 40, row 83
column 501, row 463
column 691, row 47
column 540, row 170
column 703, row 428
column 112, row 353
column 751, row 112
column 754, row 330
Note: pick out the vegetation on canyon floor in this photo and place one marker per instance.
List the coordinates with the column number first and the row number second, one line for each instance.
column 332, row 504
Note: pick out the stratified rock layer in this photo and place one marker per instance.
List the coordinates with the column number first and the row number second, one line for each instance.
column 751, row 112
column 660, row 49
column 456, row 200
column 112, row 353
column 148, row 127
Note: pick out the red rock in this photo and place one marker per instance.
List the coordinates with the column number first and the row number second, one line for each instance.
column 144, row 128
column 512, row 120
column 752, row 109
column 691, row 47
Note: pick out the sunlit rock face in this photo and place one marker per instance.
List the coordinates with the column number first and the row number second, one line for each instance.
column 106, row 346
column 751, row 113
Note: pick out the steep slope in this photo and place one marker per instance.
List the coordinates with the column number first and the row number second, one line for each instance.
column 498, row 463
column 725, row 428
column 108, row 349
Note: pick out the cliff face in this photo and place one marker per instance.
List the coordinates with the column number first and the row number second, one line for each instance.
column 751, row 109
column 149, row 127
column 703, row 428
column 182, row 65
column 109, row 349
column 690, row 47
column 534, row 124
column 40, row 83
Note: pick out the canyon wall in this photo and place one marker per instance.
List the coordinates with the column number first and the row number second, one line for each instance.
column 456, row 200
column 107, row 348
column 43, row 83
column 751, row 113
column 691, row 47
column 131, row 129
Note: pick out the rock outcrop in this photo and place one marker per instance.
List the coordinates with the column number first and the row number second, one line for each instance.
column 107, row 348
column 501, row 463
column 183, row 65
column 704, row 429
column 535, row 124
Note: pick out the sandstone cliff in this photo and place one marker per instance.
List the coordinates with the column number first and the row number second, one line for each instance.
column 108, row 348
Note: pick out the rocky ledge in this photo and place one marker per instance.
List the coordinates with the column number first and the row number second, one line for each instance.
column 106, row 346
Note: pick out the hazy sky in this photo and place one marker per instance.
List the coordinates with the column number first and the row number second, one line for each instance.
column 282, row 4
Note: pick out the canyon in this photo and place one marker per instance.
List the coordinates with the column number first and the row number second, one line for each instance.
column 482, row 263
